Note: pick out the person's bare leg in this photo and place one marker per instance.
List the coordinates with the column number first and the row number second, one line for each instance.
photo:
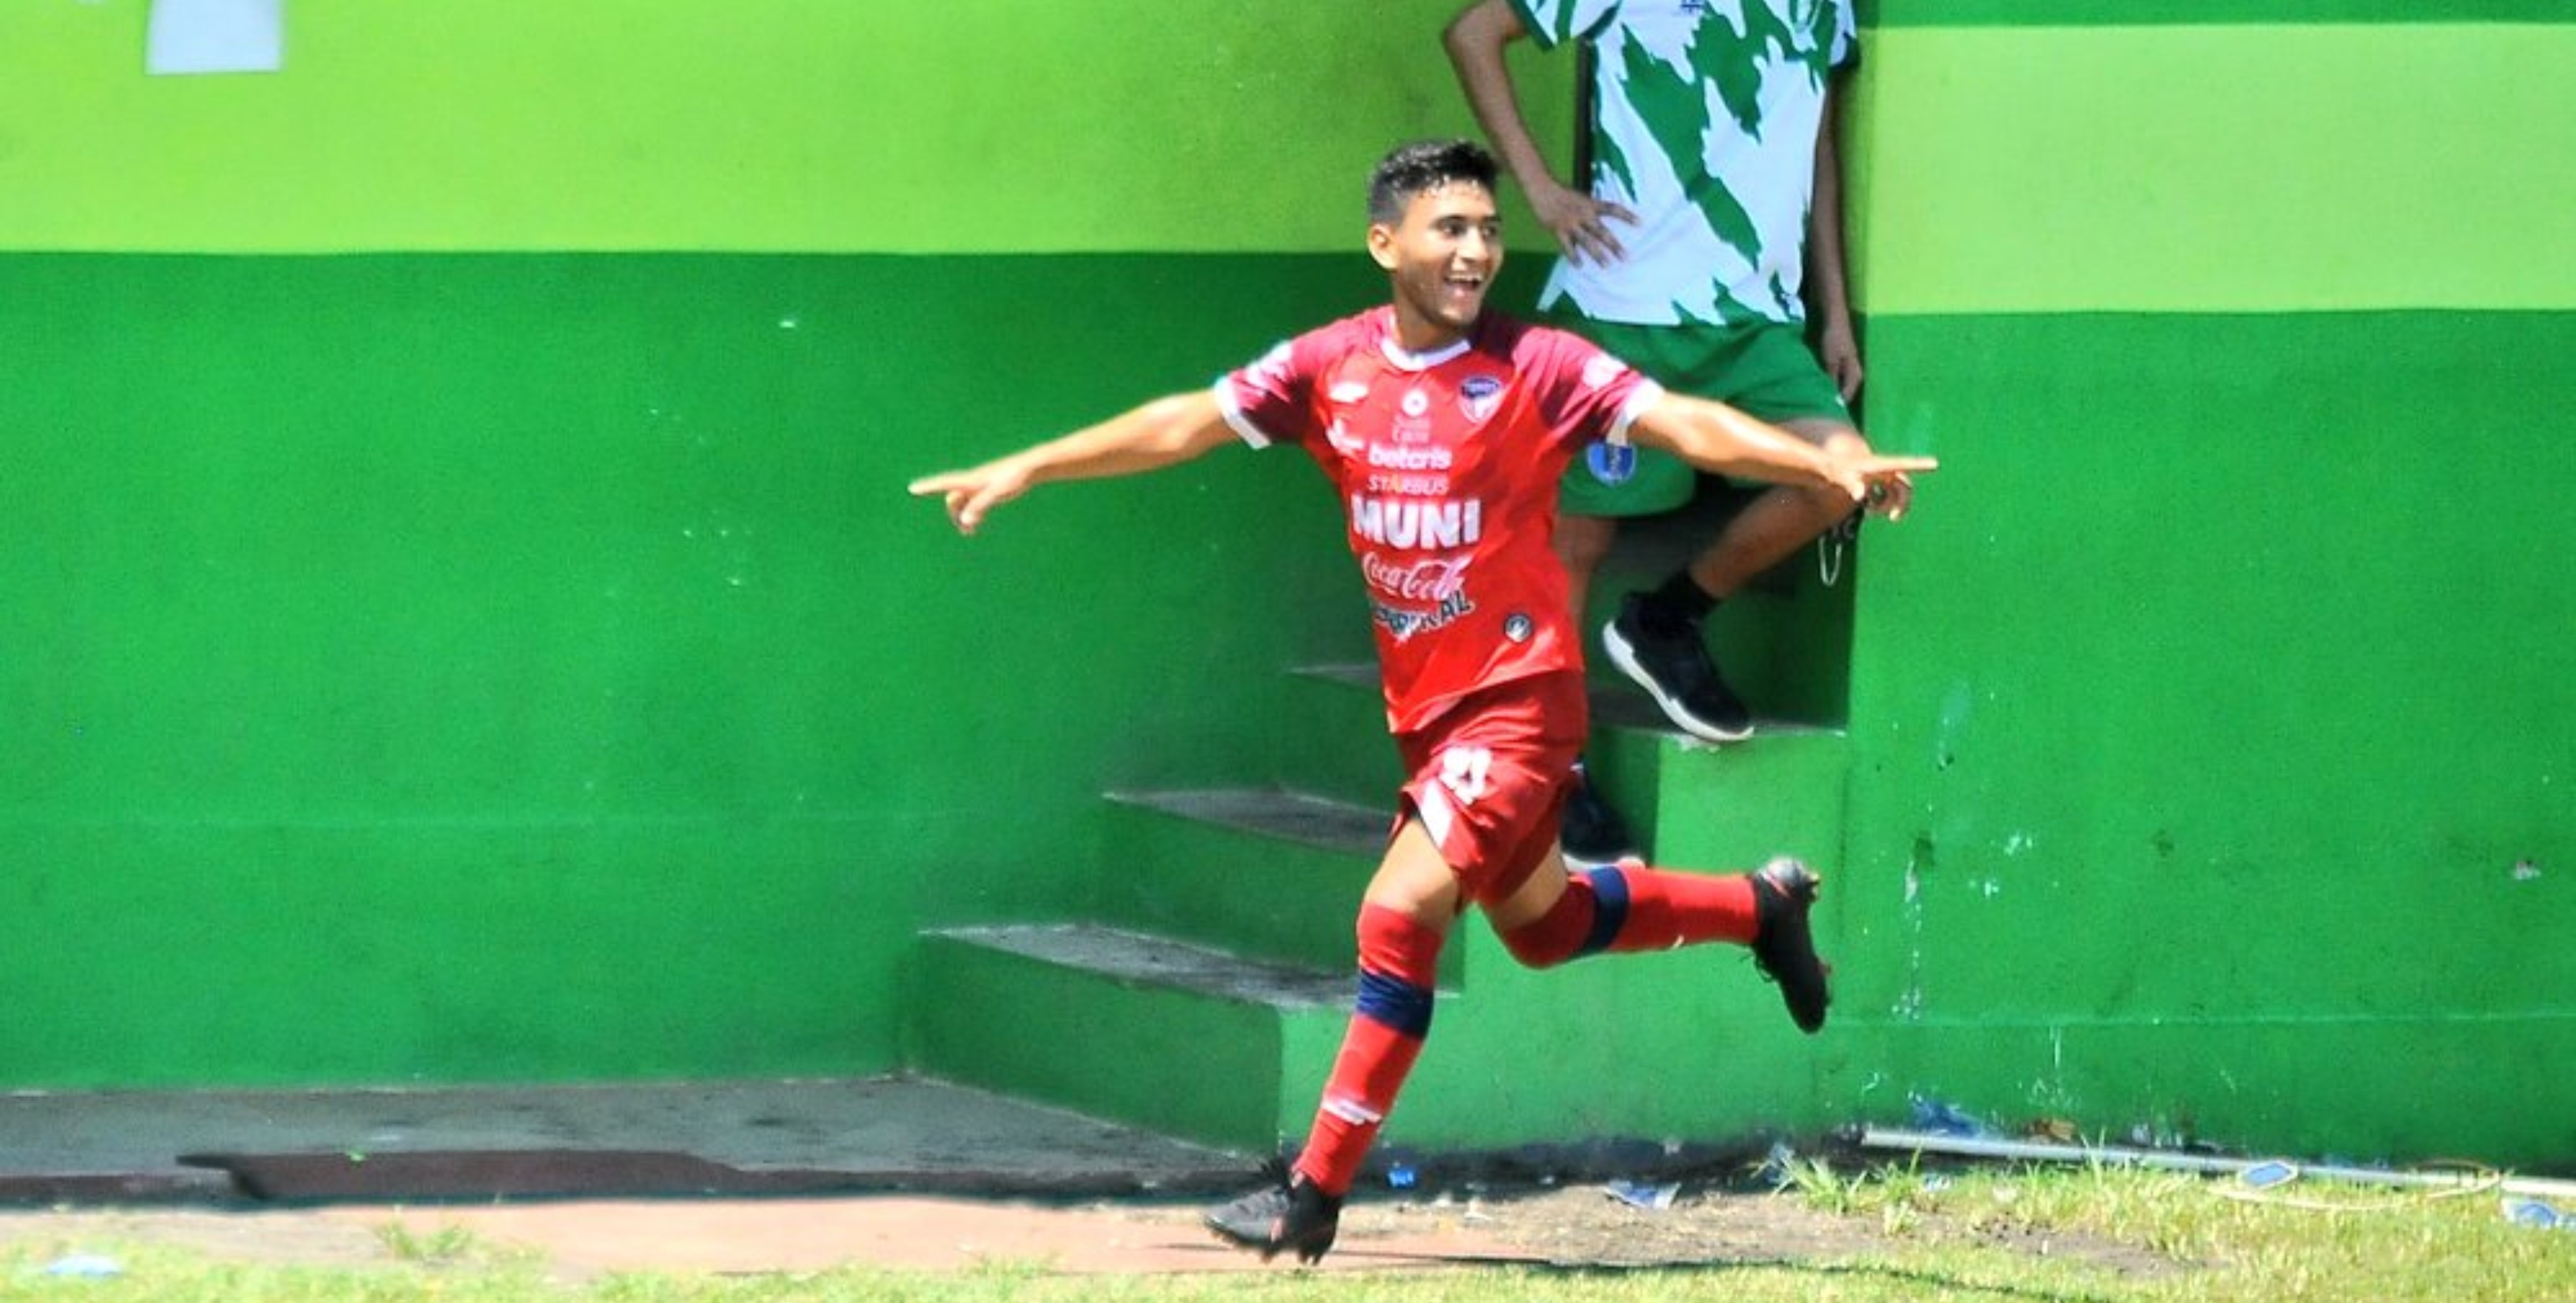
column 1775, row 524
column 1657, row 640
column 1582, row 543
column 1593, row 829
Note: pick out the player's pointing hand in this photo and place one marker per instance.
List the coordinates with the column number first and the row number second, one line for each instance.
column 971, row 494
column 1883, row 484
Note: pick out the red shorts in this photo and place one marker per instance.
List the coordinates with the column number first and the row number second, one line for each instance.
column 1488, row 778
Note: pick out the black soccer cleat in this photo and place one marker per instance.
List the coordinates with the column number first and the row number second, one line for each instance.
column 1783, row 948
column 1590, row 831
column 1292, row 1215
column 1674, row 668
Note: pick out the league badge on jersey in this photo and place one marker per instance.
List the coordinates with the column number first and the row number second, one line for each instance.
column 1478, row 396
column 1611, row 463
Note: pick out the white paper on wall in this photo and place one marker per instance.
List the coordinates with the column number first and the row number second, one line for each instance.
column 192, row 36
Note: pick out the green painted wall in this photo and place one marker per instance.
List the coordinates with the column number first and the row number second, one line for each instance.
column 2210, row 752
column 530, row 665
column 2208, row 760
column 967, row 126
column 2053, row 169
column 465, row 622
column 2212, row 763
column 2199, row 13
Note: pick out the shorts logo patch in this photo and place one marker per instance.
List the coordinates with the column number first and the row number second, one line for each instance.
column 1611, row 463
column 1518, row 627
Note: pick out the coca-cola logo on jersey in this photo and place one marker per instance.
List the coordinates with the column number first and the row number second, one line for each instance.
column 1434, row 579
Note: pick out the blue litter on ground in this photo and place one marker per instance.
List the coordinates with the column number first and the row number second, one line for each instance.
column 2537, row 1214
column 85, row 1266
column 2265, row 1175
column 1639, row 1194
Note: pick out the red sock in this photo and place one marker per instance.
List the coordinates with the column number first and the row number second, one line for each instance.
column 1667, row 909
column 1630, row 907
column 1560, row 934
column 1399, row 967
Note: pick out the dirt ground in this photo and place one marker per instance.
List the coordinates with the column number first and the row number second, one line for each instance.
column 1585, row 1225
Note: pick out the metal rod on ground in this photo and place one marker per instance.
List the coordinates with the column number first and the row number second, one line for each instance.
column 2040, row 1151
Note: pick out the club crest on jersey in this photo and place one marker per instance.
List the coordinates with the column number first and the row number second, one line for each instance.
column 1611, row 463
column 1479, row 396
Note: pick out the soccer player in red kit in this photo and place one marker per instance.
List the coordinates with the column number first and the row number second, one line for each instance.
column 1445, row 430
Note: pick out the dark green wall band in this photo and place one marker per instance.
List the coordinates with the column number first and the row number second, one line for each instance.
column 487, row 667
column 2156, row 688
column 2289, row 572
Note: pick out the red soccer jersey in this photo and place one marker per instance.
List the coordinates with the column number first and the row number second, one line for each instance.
column 1447, row 464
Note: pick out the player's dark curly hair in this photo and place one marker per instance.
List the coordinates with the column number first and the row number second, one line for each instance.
column 1424, row 165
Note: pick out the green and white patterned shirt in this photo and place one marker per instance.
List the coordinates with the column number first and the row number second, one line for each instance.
column 1705, row 120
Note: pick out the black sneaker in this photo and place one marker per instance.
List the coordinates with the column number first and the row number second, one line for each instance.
column 1591, row 832
column 1674, row 668
column 1783, row 891
column 1291, row 1214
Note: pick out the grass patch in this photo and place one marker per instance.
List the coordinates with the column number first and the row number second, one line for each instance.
column 2177, row 1236
column 2048, row 1235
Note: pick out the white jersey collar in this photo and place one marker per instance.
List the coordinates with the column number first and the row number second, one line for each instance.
column 1404, row 359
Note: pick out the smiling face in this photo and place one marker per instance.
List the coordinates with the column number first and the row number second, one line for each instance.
column 1440, row 256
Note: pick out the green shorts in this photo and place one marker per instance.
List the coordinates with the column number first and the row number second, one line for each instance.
column 1765, row 369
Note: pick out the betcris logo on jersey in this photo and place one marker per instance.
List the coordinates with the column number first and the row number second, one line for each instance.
column 1611, row 463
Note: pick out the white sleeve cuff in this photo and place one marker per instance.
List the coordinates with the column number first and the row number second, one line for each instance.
column 1242, row 425
column 1646, row 395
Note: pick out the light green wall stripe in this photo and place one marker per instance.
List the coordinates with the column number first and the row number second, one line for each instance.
column 795, row 125
column 2226, row 169
column 2132, row 13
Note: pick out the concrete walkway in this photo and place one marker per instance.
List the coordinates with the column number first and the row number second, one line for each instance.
column 870, row 1134
column 883, row 1172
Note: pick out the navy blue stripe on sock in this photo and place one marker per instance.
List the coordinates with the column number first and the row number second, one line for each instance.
column 1395, row 1004
column 1609, row 909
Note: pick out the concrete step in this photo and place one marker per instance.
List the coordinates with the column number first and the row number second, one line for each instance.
column 1331, row 758
column 1268, row 873
column 1782, row 791
column 1186, row 1039
column 1340, row 747
column 1695, row 802
column 842, row 1135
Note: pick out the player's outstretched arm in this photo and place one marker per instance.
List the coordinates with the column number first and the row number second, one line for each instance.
column 1716, row 437
column 1164, row 432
